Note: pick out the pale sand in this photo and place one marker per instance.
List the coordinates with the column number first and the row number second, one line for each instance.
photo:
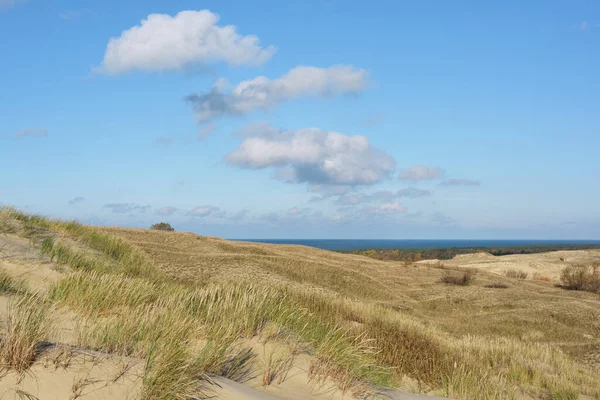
column 545, row 264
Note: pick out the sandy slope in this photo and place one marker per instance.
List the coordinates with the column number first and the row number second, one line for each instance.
column 77, row 373
column 547, row 264
column 64, row 371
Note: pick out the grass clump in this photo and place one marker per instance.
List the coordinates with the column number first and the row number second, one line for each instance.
column 10, row 285
column 516, row 274
column 27, row 326
column 169, row 373
column 581, row 277
column 464, row 279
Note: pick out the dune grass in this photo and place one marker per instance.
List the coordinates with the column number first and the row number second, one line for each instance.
column 10, row 285
column 186, row 330
column 27, row 326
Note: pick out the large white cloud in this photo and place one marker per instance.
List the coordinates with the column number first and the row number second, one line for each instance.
column 264, row 93
column 314, row 156
column 162, row 42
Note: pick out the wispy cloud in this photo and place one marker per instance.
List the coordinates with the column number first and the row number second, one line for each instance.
column 420, row 173
column 386, row 208
column 205, row 131
column 166, row 211
column 205, row 211
column 32, row 132
column 77, row 200
column 240, row 215
column 122, row 208
column 460, row 182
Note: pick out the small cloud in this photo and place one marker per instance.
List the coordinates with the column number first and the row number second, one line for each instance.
column 166, row 211
column 386, row 208
column 122, row 208
column 420, row 173
column 205, row 131
column 460, row 182
column 584, row 26
column 165, row 141
column 76, row 200
column 240, row 215
column 32, row 132
column 203, row 211
column 327, row 191
column 413, row 193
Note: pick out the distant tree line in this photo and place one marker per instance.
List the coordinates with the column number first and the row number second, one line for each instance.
column 416, row 254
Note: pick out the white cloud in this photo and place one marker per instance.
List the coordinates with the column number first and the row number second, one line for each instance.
column 166, row 211
column 77, row 200
column 460, row 182
column 314, row 156
column 162, row 42
column 420, row 173
column 204, row 211
column 263, row 93
column 32, row 132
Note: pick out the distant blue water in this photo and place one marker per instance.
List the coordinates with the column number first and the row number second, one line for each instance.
column 354, row 244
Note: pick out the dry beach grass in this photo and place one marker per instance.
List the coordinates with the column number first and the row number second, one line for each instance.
column 193, row 307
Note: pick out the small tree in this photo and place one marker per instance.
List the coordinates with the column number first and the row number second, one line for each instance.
column 162, row 226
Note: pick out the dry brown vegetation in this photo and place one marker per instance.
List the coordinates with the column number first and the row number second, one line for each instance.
column 188, row 304
column 581, row 277
column 463, row 279
column 516, row 274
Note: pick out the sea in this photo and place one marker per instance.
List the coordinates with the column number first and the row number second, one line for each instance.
column 357, row 244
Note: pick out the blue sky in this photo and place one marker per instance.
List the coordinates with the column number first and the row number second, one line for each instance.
column 305, row 119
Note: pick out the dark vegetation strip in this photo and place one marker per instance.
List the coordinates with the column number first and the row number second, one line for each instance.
column 416, row 254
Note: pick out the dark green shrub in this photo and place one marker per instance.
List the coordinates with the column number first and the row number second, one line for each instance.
column 162, row 226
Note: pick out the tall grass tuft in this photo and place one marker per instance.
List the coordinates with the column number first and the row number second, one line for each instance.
column 27, row 326
column 169, row 374
column 10, row 285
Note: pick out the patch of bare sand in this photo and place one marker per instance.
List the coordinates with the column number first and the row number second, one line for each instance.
column 544, row 264
column 62, row 373
column 21, row 260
